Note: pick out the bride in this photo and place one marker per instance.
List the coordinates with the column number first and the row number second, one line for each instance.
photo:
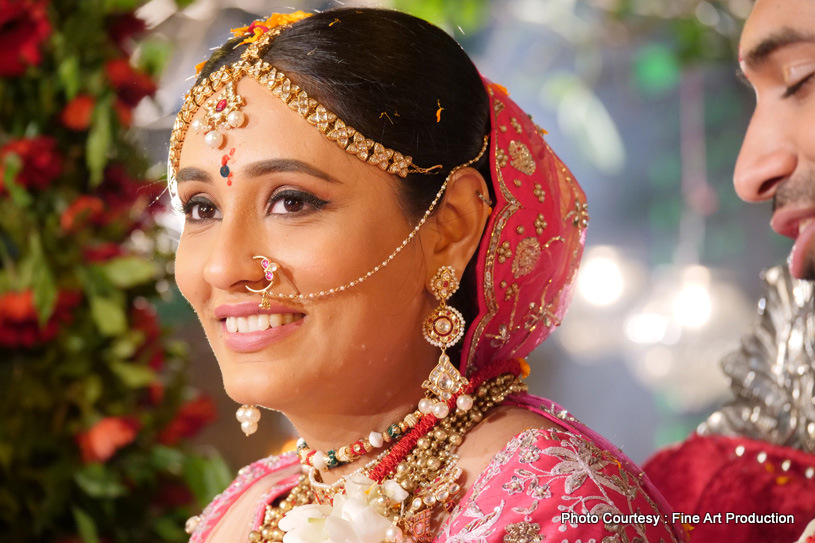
column 374, row 237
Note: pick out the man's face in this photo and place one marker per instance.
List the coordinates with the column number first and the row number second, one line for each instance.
column 777, row 158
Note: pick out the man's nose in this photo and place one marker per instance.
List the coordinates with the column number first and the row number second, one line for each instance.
column 767, row 157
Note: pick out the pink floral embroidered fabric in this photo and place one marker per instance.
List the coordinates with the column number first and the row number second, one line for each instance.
column 544, row 485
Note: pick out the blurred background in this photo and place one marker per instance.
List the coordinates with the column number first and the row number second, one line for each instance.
column 640, row 99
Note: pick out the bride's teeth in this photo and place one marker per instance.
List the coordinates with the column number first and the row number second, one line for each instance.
column 252, row 323
column 243, row 325
column 258, row 323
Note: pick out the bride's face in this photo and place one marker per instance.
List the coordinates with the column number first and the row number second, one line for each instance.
column 326, row 218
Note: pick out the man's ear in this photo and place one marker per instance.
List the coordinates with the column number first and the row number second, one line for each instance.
column 451, row 235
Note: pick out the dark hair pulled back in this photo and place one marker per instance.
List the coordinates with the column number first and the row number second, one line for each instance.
column 400, row 81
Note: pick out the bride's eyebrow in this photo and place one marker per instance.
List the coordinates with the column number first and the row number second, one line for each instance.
column 259, row 168
column 263, row 167
column 193, row 174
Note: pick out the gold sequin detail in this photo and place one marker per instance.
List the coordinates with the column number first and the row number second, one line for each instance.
column 579, row 215
column 521, row 158
column 523, row 532
column 539, row 193
column 526, row 256
column 516, row 125
column 540, row 224
column 504, row 252
column 501, row 157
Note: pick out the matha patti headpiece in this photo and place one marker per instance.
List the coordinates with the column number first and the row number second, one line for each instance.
column 224, row 111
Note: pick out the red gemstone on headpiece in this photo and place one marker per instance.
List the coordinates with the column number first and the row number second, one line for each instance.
column 264, row 263
column 221, row 105
column 269, row 276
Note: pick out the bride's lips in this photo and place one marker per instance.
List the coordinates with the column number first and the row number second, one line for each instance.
column 798, row 224
column 247, row 328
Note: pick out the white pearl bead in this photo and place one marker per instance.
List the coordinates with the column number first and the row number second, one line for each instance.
column 464, row 402
column 241, row 414
column 425, row 405
column 249, row 427
column 393, row 534
column 318, row 460
column 440, row 410
column 235, row 119
column 191, row 524
column 197, row 125
column 252, row 414
column 214, row 139
column 375, row 439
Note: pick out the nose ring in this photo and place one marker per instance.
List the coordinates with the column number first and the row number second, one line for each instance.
column 269, row 269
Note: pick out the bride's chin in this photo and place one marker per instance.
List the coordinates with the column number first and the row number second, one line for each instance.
column 253, row 387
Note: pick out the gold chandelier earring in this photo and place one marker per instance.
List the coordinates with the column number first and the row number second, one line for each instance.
column 444, row 328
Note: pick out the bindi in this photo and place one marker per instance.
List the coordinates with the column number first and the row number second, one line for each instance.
column 225, row 172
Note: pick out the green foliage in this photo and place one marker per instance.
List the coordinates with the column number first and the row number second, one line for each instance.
column 468, row 15
column 92, row 392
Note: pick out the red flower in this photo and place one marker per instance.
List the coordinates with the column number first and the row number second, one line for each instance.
column 77, row 113
column 145, row 321
column 190, row 419
column 84, row 210
column 107, row 436
column 41, row 161
column 130, row 85
column 173, row 494
column 123, row 112
column 155, row 392
column 102, row 252
column 127, row 196
column 122, row 27
column 23, row 27
column 18, row 318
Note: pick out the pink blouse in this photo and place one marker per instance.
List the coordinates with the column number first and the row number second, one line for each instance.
column 565, row 485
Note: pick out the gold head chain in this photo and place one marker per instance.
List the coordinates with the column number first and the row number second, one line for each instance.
column 251, row 64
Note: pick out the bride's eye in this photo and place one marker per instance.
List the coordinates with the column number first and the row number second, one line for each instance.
column 199, row 208
column 289, row 201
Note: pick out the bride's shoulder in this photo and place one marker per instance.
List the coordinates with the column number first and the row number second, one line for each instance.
column 235, row 507
column 524, row 470
column 503, row 424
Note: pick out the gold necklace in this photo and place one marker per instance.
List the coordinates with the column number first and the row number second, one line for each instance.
column 429, row 473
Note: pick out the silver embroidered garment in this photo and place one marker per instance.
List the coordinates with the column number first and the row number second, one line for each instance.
column 773, row 373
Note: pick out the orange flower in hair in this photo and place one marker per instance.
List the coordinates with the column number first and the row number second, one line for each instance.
column 259, row 28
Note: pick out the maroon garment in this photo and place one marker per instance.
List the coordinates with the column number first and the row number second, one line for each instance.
column 719, row 474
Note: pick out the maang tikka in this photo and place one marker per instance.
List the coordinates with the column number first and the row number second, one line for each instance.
column 444, row 328
column 224, row 112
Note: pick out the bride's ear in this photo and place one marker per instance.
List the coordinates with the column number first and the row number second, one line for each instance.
column 452, row 235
